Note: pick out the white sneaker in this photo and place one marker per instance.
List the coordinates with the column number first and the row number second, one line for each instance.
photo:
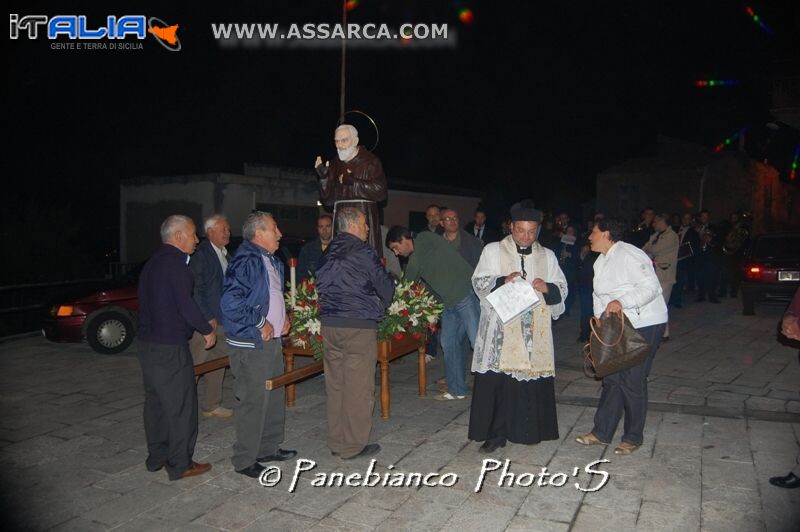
column 447, row 396
column 428, row 358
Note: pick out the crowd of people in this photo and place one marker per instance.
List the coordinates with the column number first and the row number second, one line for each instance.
column 195, row 306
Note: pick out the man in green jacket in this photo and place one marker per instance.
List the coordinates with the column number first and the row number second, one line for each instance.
column 441, row 266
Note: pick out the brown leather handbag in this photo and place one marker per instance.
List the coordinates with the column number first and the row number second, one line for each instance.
column 613, row 346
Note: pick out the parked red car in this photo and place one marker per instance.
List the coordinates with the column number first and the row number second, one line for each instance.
column 105, row 317
column 771, row 269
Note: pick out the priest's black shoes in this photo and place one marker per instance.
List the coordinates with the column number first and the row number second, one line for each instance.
column 278, row 456
column 490, row 446
column 254, row 471
column 790, row 481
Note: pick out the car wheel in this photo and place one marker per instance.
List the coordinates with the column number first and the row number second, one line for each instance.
column 748, row 304
column 110, row 333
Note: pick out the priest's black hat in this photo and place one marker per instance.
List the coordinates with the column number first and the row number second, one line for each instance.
column 524, row 212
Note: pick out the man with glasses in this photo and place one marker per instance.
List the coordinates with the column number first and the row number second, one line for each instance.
column 467, row 245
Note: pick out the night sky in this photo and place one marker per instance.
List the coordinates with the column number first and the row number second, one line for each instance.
column 539, row 96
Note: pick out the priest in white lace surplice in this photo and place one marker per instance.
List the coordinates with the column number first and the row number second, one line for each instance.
column 514, row 395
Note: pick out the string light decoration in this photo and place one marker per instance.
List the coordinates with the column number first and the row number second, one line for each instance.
column 351, row 5
column 716, row 82
column 793, row 171
column 465, row 15
column 721, row 146
column 757, row 19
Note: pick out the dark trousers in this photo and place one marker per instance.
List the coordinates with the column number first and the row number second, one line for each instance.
column 681, row 281
column 170, row 406
column 691, row 273
column 350, row 357
column 730, row 275
column 432, row 347
column 587, row 310
column 572, row 289
column 259, row 414
column 626, row 392
column 707, row 275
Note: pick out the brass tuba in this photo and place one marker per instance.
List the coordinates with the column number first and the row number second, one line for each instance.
column 735, row 239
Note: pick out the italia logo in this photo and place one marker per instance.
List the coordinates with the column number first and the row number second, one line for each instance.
column 77, row 28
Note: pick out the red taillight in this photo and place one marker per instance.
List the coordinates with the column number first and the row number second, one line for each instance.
column 752, row 272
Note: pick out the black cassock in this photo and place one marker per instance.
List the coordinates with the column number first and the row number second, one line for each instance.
column 504, row 408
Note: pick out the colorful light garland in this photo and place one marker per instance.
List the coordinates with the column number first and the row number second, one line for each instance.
column 351, row 5
column 465, row 15
column 757, row 19
column 721, row 146
column 793, row 172
column 716, row 82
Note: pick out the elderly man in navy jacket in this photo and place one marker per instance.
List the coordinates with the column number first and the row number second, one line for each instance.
column 254, row 317
column 167, row 317
column 354, row 291
column 208, row 265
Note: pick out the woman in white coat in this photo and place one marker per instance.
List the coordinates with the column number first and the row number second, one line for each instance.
column 625, row 282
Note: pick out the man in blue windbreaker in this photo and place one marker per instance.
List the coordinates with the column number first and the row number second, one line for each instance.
column 254, row 318
column 354, row 291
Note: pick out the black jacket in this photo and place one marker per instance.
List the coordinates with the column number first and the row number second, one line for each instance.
column 208, row 277
column 354, row 289
column 490, row 234
column 309, row 257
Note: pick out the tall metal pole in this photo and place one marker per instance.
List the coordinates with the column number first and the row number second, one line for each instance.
column 344, row 50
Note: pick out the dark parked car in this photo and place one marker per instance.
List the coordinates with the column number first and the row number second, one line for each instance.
column 771, row 269
column 106, row 316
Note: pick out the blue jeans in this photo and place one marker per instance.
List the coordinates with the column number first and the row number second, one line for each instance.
column 459, row 320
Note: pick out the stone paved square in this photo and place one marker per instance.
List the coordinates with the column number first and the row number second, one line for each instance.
column 724, row 417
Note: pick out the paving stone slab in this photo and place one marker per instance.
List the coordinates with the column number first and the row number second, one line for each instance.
column 241, row 509
column 132, row 504
column 360, row 514
column 657, row 516
column 592, row 518
column 525, row 524
column 491, row 517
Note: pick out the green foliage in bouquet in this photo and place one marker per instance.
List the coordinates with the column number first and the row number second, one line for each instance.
column 414, row 311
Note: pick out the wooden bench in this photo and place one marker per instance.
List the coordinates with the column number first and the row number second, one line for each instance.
column 387, row 351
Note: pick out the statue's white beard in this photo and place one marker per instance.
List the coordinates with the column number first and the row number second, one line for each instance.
column 347, row 153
